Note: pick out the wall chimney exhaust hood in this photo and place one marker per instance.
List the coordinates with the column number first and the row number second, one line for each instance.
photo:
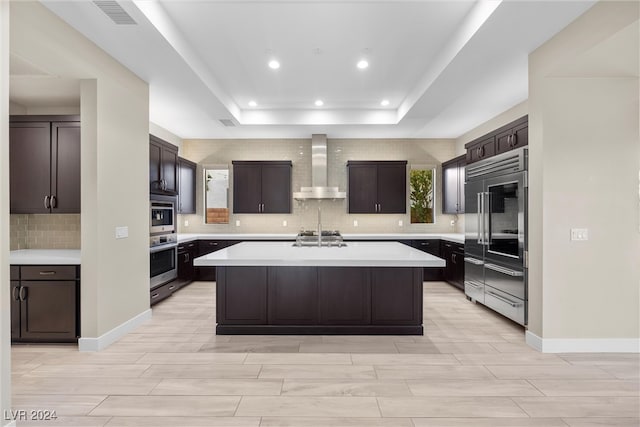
column 319, row 189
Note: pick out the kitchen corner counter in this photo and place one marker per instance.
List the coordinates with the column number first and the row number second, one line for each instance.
column 45, row 257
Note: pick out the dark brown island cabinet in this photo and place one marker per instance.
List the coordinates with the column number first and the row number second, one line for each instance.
column 261, row 187
column 453, row 254
column 163, row 167
column 377, row 186
column 45, row 303
column 44, row 154
column 319, row 300
column 506, row 138
column 186, row 186
column 453, row 185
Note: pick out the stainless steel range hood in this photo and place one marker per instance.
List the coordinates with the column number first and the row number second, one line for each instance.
column 319, row 189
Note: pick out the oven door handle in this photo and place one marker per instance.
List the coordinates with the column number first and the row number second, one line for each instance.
column 159, row 248
column 512, row 273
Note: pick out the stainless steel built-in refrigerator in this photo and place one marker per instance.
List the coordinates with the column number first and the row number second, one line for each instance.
column 496, row 233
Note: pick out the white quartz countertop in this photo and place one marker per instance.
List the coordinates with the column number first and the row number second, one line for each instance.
column 45, row 257
column 354, row 254
column 452, row 237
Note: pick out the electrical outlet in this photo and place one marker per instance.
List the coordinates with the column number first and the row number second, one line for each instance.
column 579, row 234
column 453, row 223
column 399, row 223
column 355, row 222
column 186, row 222
column 237, row 223
column 284, row 223
column 122, row 232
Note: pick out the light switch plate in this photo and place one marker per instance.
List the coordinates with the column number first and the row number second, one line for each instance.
column 122, row 232
column 579, row 234
column 237, row 223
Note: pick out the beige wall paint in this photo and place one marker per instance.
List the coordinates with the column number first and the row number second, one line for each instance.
column 115, row 124
column 428, row 152
column 584, row 162
column 5, row 338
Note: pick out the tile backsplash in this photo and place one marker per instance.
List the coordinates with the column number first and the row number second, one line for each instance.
column 44, row 231
column 418, row 152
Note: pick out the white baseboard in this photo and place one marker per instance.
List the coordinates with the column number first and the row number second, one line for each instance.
column 582, row 345
column 105, row 340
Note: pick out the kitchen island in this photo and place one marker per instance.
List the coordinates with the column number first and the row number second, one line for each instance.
column 359, row 288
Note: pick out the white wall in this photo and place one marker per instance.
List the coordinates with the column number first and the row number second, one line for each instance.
column 115, row 125
column 5, row 322
column 584, row 163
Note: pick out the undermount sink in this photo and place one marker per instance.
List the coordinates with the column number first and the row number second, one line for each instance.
column 324, row 243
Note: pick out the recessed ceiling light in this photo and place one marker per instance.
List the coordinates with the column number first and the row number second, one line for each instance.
column 253, row 104
column 274, row 65
column 319, row 103
column 362, row 64
column 384, row 102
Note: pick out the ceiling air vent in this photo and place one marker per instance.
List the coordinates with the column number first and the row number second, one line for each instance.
column 114, row 11
column 228, row 122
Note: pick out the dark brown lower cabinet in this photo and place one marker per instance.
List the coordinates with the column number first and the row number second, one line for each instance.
column 319, row 300
column 45, row 304
column 241, row 296
column 344, row 294
column 396, row 296
column 453, row 254
column 293, row 296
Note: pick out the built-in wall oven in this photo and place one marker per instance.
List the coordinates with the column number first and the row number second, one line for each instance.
column 496, row 233
column 163, row 241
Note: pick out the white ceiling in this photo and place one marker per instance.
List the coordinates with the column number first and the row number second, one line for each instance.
column 444, row 66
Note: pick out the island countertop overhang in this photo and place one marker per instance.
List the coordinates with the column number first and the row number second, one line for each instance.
column 354, row 254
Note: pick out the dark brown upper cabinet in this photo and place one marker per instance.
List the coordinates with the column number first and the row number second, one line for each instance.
column 453, row 185
column 508, row 137
column 186, row 186
column 163, row 167
column 262, row 186
column 377, row 186
column 44, row 163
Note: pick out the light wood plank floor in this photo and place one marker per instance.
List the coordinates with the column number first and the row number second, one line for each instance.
column 472, row 368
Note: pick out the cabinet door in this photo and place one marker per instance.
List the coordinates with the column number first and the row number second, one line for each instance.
column 520, row 136
column 447, row 255
column 481, row 150
column 169, row 163
column 396, row 296
column 30, row 166
column 65, row 163
column 187, row 187
column 15, row 309
column 241, row 296
column 155, row 172
column 48, row 310
column 344, row 296
column 185, row 264
column 450, row 187
column 458, row 269
column 276, row 188
column 392, row 188
column 363, row 188
column 247, row 188
column 293, row 296
column 461, row 178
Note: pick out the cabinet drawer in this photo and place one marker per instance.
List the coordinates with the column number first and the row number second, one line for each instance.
column 15, row 272
column 48, row 272
column 162, row 292
column 505, row 304
column 431, row 246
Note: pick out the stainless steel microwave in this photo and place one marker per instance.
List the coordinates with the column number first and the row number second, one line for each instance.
column 162, row 217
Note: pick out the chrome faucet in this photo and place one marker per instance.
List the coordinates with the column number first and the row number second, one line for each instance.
column 319, row 228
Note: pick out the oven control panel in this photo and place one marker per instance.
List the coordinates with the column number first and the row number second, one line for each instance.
column 163, row 239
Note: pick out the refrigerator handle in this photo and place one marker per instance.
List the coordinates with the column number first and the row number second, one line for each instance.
column 480, row 220
column 486, row 227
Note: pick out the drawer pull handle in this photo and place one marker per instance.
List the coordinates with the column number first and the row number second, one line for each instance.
column 473, row 285
column 512, row 273
column 505, row 300
column 155, row 296
column 172, row 287
column 473, row 261
column 47, row 273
